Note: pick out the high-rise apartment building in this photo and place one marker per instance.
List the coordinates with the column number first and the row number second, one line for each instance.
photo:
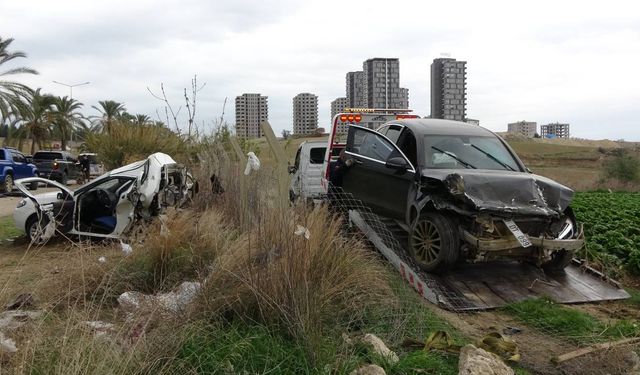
column 305, row 113
column 251, row 111
column 338, row 106
column 449, row 89
column 555, row 130
column 382, row 84
column 355, row 90
column 525, row 128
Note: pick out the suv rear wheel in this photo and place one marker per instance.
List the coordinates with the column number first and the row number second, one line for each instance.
column 8, row 184
column 434, row 242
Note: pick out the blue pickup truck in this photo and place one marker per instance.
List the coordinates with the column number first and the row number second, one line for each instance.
column 14, row 166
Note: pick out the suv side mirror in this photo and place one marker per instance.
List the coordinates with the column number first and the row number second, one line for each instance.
column 398, row 163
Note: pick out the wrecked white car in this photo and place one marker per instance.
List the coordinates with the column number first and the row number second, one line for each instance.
column 108, row 206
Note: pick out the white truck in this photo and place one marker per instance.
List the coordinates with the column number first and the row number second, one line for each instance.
column 306, row 179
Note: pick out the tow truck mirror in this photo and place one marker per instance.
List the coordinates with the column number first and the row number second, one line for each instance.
column 398, row 163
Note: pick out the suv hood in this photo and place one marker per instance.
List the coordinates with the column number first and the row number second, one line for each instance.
column 502, row 192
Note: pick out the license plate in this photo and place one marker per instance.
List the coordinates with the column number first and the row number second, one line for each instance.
column 521, row 237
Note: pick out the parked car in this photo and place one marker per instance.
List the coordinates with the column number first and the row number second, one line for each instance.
column 109, row 205
column 306, row 171
column 57, row 165
column 14, row 165
column 461, row 194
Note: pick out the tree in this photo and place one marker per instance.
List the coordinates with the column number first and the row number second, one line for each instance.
column 11, row 93
column 39, row 116
column 67, row 116
column 142, row 119
column 110, row 111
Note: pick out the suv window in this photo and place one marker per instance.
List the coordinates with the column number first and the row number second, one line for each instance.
column 2, row 157
column 393, row 133
column 369, row 144
column 441, row 149
column 18, row 157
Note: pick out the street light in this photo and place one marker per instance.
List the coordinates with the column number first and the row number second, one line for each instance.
column 71, row 86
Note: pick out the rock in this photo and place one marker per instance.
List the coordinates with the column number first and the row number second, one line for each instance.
column 172, row 302
column 24, row 300
column 380, row 348
column 633, row 361
column 99, row 328
column 475, row 361
column 7, row 348
column 369, row 370
column 13, row 319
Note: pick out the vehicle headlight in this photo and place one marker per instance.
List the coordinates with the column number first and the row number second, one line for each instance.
column 22, row 203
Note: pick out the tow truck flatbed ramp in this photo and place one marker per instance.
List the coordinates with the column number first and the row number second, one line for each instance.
column 482, row 286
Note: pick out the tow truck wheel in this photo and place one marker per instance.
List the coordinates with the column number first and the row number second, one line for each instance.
column 8, row 184
column 434, row 242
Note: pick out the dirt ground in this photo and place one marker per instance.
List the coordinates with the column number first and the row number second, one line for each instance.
column 537, row 348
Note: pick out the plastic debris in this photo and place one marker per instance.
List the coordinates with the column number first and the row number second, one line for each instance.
column 102, row 260
column 7, row 348
column 126, row 248
column 253, row 163
column 173, row 302
column 302, row 231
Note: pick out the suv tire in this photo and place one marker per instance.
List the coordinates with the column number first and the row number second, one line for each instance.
column 7, row 187
column 434, row 242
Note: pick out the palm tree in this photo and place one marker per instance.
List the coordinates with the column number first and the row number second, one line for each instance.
column 109, row 110
column 67, row 116
column 39, row 116
column 11, row 92
column 142, row 119
column 83, row 131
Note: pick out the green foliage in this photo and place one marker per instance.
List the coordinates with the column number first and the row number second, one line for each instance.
column 570, row 323
column 12, row 94
column 623, row 167
column 7, row 228
column 128, row 142
column 612, row 228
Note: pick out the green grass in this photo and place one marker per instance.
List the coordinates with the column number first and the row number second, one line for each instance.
column 572, row 324
column 8, row 229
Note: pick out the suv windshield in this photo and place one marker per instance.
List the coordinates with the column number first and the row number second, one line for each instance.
column 47, row 155
column 460, row 151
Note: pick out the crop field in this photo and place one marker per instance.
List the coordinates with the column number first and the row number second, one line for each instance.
column 612, row 228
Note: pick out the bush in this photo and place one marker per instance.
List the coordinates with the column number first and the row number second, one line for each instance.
column 128, row 142
column 623, row 167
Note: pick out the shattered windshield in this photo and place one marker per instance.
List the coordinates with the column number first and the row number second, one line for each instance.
column 460, row 151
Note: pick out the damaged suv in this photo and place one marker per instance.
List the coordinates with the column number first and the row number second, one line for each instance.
column 461, row 194
column 106, row 207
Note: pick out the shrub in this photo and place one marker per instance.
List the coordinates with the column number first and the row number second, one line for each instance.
column 128, row 142
column 623, row 167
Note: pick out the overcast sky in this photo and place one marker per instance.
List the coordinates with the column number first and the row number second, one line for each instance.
column 544, row 61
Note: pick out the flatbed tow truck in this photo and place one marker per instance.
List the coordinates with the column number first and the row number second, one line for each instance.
column 469, row 286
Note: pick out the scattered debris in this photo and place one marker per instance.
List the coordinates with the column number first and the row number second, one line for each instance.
column 593, row 348
column 126, row 248
column 24, row 300
column 102, row 260
column 300, row 230
column 369, row 370
column 441, row 340
column 13, row 319
column 7, row 348
column 500, row 345
column 99, row 328
column 380, row 348
column 253, row 163
column 476, row 361
column 172, row 302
